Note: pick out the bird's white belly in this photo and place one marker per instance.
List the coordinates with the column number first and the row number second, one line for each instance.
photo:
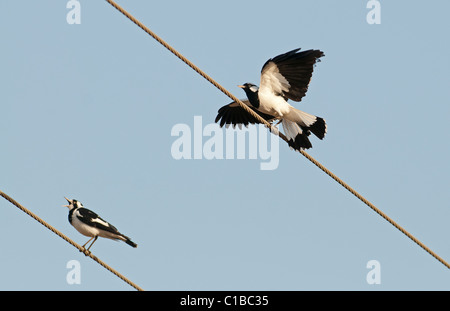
column 84, row 229
column 272, row 104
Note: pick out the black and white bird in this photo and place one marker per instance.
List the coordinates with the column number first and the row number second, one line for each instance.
column 283, row 77
column 90, row 224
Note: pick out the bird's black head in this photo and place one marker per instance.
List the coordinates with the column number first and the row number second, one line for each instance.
column 251, row 91
column 73, row 203
column 249, row 88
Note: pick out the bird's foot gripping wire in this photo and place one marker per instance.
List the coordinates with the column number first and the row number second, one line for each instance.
column 85, row 251
column 273, row 129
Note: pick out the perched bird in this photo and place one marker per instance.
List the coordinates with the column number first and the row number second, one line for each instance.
column 90, row 224
column 283, row 77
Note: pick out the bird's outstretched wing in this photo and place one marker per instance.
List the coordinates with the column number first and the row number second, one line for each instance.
column 289, row 74
column 235, row 114
column 92, row 219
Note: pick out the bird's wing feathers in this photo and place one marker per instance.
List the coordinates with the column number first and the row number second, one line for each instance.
column 235, row 114
column 273, row 80
column 289, row 74
column 92, row 219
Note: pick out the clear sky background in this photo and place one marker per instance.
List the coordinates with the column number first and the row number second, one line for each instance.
column 87, row 112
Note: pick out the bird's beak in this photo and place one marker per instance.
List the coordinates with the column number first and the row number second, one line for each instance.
column 241, row 86
column 67, row 201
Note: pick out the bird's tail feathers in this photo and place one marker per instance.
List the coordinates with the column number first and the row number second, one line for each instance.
column 128, row 241
column 131, row 243
column 298, row 138
column 308, row 122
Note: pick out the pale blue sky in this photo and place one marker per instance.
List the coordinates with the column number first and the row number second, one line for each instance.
column 87, row 112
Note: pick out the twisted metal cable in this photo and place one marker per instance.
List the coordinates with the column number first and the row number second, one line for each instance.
column 64, row 237
column 275, row 130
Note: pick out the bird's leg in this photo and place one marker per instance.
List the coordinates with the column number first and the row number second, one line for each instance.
column 86, row 251
column 87, row 242
column 95, row 239
column 273, row 127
